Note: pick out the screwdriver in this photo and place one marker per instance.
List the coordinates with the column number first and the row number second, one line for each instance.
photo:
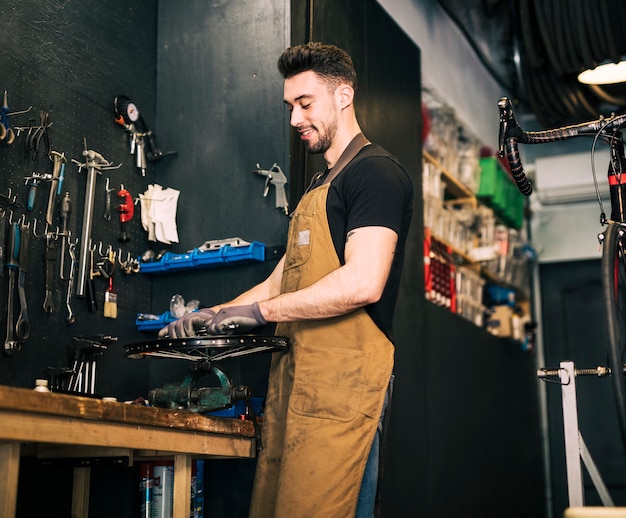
column 12, row 264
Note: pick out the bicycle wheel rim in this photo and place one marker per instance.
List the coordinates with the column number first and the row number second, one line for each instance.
column 614, row 292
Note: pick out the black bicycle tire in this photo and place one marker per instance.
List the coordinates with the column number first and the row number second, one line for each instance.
column 612, row 254
column 207, row 346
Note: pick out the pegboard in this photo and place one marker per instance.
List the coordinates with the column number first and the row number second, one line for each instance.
column 76, row 116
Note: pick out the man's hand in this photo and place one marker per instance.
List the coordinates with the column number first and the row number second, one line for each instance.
column 188, row 325
column 236, row 319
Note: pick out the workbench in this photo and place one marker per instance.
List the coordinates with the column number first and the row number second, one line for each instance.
column 54, row 424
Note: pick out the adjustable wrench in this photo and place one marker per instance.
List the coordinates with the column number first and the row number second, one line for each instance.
column 11, row 344
column 22, row 326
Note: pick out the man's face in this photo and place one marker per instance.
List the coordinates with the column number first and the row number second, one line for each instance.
column 313, row 110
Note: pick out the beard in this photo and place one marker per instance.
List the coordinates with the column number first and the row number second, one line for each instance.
column 324, row 140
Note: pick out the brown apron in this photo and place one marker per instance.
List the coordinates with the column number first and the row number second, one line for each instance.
column 325, row 394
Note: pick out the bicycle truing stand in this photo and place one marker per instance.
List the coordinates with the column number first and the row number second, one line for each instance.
column 575, row 447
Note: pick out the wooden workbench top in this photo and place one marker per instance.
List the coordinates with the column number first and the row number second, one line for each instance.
column 12, row 398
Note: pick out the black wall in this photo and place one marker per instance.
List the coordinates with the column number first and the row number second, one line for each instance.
column 72, row 60
column 220, row 105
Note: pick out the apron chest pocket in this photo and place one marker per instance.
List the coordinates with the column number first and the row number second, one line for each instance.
column 300, row 239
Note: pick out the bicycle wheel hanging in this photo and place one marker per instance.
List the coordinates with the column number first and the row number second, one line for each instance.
column 614, row 293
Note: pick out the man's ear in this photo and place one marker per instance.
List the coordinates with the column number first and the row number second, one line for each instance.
column 345, row 95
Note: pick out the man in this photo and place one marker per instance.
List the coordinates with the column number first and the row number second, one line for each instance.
column 333, row 295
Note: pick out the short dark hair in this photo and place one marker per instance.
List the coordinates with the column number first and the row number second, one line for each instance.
column 333, row 64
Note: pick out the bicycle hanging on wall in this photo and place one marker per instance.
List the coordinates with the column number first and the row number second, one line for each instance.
column 607, row 130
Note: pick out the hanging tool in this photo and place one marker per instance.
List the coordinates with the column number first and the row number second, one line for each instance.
column 95, row 163
column 12, row 264
column 66, row 209
column 61, row 178
column 33, row 182
column 3, row 243
column 126, row 208
column 50, row 257
column 70, row 318
column 92, row 303
column 110, row 297
column 7, row 134
column 107, row 201
column 127, row 115
column 22, row 327
column 277, row 178
column 59, row 161
column 35, row 135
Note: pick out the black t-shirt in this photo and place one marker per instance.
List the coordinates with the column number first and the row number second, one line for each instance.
column 374, row 189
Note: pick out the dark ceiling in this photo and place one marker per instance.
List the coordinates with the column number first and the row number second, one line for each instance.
column 536, row 48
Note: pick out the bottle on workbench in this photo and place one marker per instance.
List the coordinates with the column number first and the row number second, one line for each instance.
column 41, row 385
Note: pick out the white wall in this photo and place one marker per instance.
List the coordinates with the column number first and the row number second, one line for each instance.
column 450, row 67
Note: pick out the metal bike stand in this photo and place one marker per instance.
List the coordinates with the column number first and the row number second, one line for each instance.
column 575, row 447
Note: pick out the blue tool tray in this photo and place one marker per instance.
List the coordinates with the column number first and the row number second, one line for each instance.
column 197, row 258
column 155, row 325
column 239, row 408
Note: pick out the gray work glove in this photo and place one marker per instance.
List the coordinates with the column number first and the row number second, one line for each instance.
column 236, row 320
column 188, row 325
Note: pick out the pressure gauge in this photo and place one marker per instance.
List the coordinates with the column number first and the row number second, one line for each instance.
column 132, row 113
column 126, row 109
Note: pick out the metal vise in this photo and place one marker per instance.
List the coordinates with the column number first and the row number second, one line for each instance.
column 188, row 396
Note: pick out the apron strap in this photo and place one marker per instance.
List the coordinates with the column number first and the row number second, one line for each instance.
column 356, row 144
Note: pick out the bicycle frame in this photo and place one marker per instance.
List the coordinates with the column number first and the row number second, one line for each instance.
column 613, row 239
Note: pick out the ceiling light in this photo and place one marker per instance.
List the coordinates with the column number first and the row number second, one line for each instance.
column 604, row 74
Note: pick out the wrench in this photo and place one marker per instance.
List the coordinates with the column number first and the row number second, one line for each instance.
column 22, row 326
column 11, row 344
column 107, row 201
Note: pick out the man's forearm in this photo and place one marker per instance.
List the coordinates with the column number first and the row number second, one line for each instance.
column 336, row 294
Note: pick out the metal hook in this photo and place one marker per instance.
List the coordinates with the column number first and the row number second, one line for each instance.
column 20, row 112
column 35, row 228
column 45, row 233
column 68, row 237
